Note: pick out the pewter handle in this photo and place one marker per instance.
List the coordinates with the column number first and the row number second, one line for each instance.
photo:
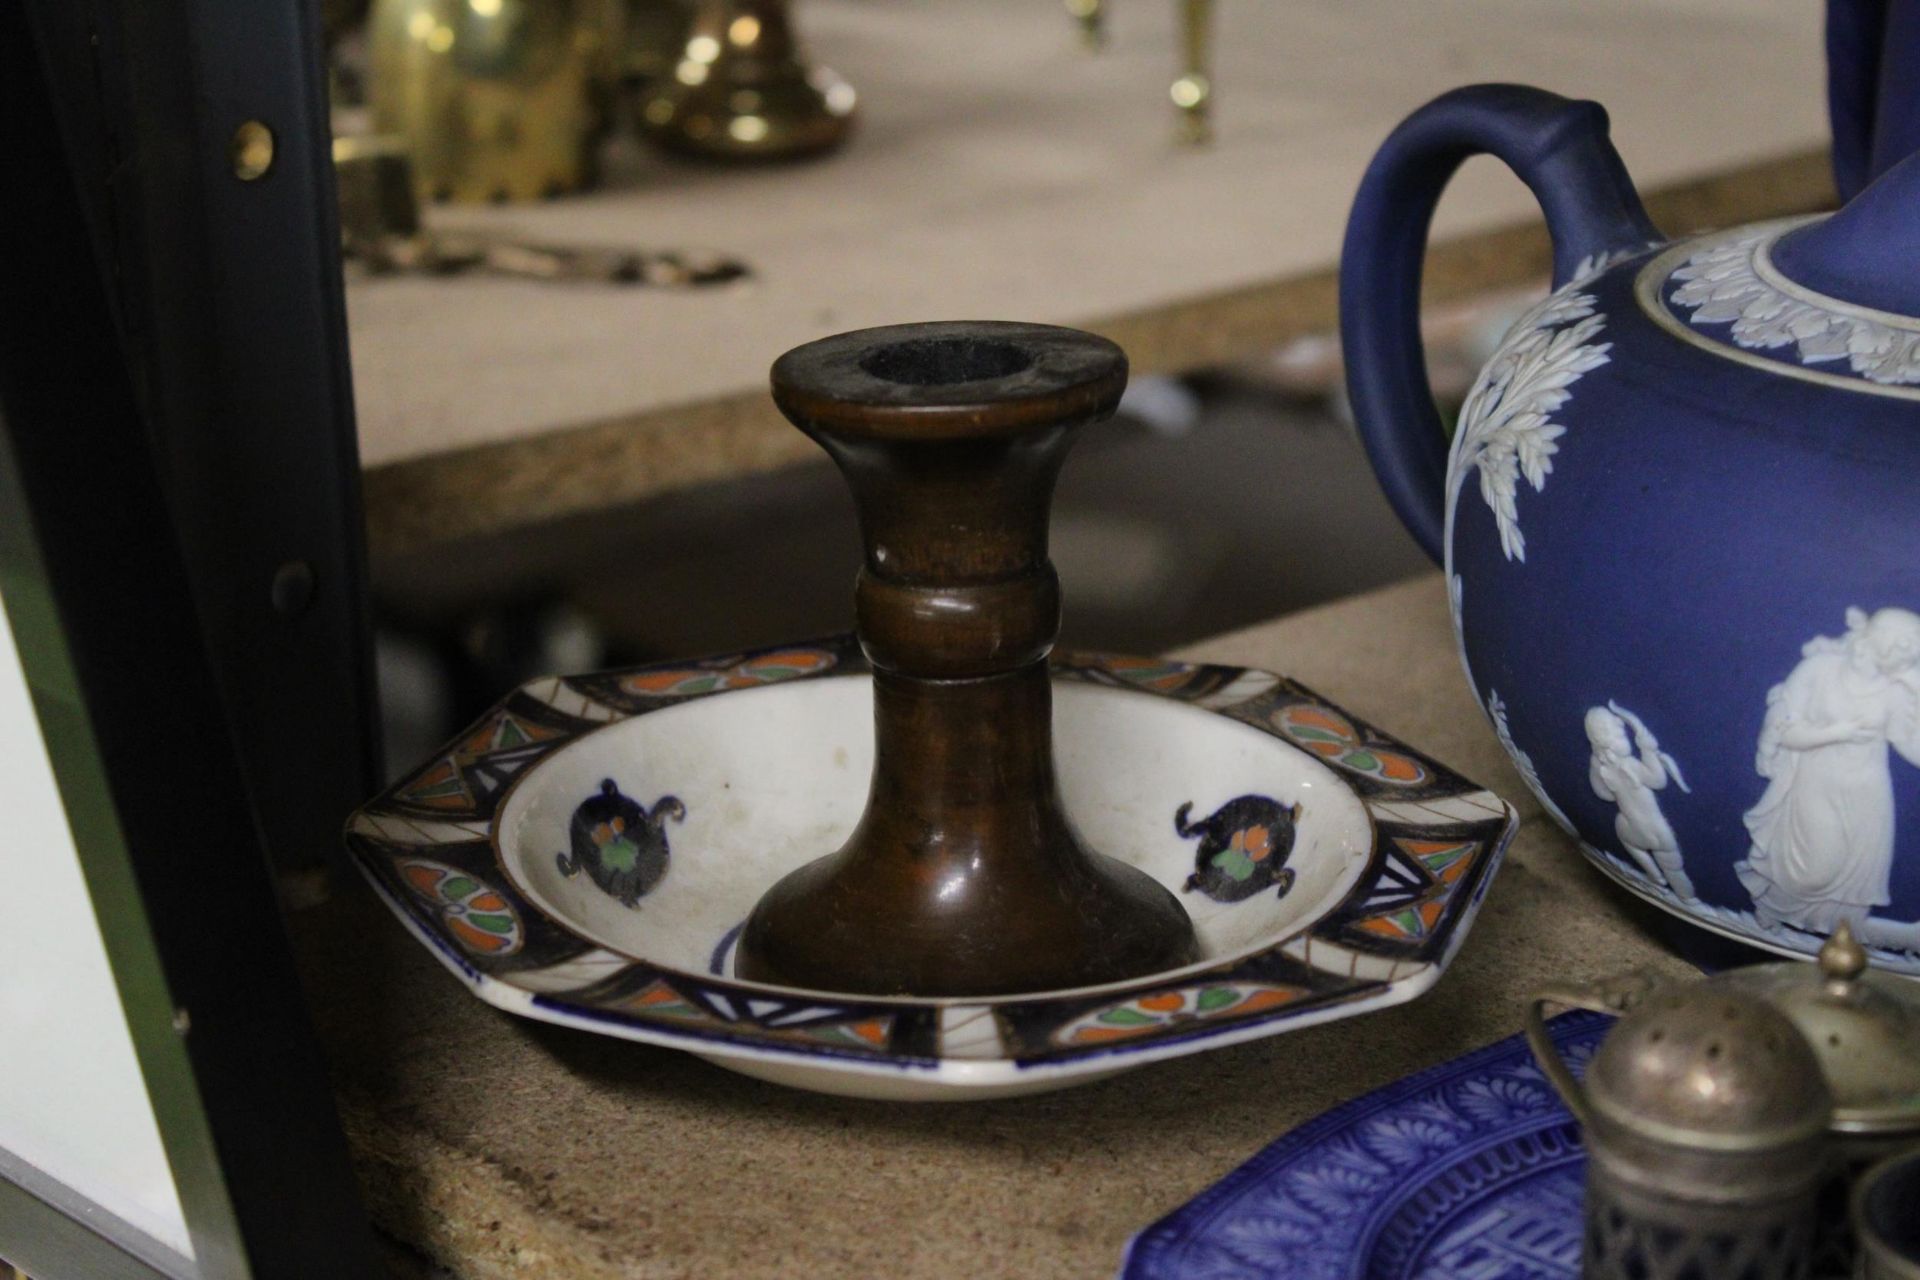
column 1613, row 995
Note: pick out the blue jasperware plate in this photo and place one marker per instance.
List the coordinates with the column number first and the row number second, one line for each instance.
column 1472, row 1170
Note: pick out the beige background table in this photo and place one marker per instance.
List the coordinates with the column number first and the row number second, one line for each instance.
column 1001, row 172
column 504, row 1148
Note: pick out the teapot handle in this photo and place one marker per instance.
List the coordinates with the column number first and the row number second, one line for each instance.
column 1559, row 148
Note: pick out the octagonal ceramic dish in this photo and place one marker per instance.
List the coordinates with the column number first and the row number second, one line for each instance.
column 585, row 855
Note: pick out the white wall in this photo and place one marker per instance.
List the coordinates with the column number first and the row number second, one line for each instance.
column 72, row 1102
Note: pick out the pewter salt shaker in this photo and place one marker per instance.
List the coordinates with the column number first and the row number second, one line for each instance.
column 1705, row 1114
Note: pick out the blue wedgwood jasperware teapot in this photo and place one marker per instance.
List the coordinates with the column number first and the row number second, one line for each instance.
column 1680, row 520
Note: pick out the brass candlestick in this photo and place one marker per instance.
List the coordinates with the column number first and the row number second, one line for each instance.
column 1192, row 93
column 742, row 91
column 380, row 227
column 964, row 876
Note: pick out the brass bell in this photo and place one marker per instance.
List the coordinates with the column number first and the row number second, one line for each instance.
column 741, row 89
column 1706, row 1115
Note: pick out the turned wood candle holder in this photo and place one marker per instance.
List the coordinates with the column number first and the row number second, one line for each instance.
column 964, row 876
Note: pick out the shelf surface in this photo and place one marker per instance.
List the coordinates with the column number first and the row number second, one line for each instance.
column 1000, row 171
column 512, row 1150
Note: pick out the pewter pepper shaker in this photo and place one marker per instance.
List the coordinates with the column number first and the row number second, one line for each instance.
column 1705, row 1114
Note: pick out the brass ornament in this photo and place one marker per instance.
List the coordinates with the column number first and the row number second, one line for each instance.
column 495, row 99
column 656, row 32
column 381, row 228
column 1091, row 17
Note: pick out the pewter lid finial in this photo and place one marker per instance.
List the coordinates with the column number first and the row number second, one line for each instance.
column 1842, row 958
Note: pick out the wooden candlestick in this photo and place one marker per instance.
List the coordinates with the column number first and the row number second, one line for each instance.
column 964, row 876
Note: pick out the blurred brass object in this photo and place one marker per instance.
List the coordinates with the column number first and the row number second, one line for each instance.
column 380, row 228
column 741, row 90
column 656, row 34
column 374, row 176
column 1092, row 17
column 338, row 17
column 1192, row 93
column 251, row 151
column 495, row 99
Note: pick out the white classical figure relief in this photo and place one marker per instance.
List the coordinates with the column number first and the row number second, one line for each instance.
column 1626, row 769
column 1823, row 833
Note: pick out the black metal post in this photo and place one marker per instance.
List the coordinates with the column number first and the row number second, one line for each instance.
column 124, row 677
column 199, row 142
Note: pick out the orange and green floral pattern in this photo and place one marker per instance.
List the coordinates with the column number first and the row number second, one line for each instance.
column 1440, row 866
column 1162, row 1010
column 761, row 668
column 1335, row 739
column 476, row 915
column 1157, row 674
column 477, row 764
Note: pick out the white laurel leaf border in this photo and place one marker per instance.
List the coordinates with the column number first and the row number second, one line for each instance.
column 1506, row 431
column 1731, row 280
column 1833, row 325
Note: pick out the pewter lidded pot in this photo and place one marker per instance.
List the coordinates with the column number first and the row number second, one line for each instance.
column 1680, row 521
column 1865, row 1030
